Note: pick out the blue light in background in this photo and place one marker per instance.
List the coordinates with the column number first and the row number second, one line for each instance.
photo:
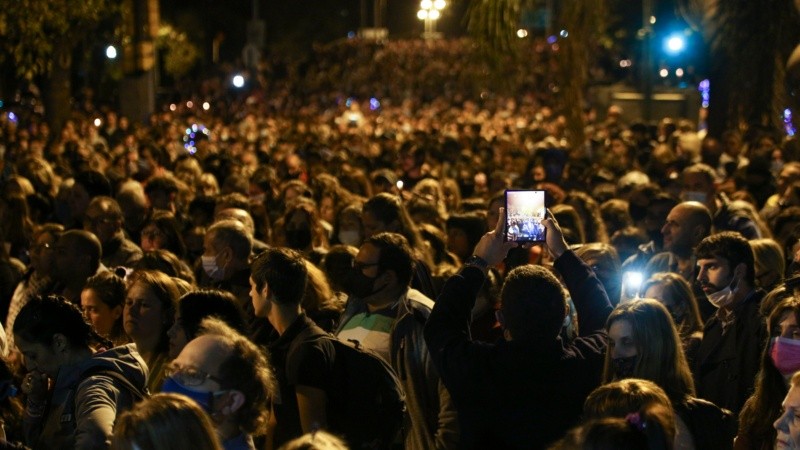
column 374, row 104
column 705, row 88
column 674, row 44
column 551, row 39
column 787, row 122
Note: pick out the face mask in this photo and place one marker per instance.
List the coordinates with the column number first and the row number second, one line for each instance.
column 785, row 354
column 359, row 285
column 203, row 399
column 694, row 196
column 298, row 239
column 350, row 237
column 211, row 268
column 723, row 297
column 623, row 367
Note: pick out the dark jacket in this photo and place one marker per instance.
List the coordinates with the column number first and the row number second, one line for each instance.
column 726, row 365
column 97, row 399
column 711, row 426
column 513, row 394
column 433, row 417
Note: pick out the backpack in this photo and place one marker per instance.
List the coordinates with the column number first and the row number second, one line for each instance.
column 368, row 407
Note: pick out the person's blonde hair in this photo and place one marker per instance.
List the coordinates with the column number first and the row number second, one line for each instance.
column 165, row 421
column 768, row 257
column 317, row 440
column 658, row 347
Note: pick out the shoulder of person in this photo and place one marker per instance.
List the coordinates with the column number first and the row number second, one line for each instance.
column 419, row 304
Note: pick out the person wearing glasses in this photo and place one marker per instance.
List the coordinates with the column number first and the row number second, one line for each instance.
column 230, row 378
column 385, row 315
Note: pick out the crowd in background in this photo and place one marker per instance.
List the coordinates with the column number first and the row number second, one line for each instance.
column 362, row 149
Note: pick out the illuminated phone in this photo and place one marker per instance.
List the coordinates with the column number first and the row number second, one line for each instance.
column 525, row 210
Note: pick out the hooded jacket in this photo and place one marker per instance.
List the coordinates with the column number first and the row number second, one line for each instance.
column 82, row 410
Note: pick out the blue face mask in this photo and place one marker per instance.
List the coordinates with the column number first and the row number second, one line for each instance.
column 203, row 399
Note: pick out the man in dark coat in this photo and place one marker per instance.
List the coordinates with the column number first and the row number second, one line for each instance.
column 528, row 389
column 733, row 338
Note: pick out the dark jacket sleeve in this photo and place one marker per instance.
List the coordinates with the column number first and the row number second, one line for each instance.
column 447, row 329
column 588, row 295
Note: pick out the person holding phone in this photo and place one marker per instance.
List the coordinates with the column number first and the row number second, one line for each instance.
column 528, row 389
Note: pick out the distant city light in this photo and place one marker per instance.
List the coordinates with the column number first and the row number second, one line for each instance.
column 704, row 88
column 787, row 122
column 98, row 122
column 111, row 52
column 173, row 107
column 426, row 4
column 439, row 4
column 351, row 35
column 675, row 44
column 522, row 33
column 551, row 39
column 238, row 81
column 625, row 63
column 664, row 73
column 206, row 106
column 652, row 20
column 678, row 72
column 374, row 104
column 422, row 14
column 190, row 104
column 564, row 33
column 434, row 14
column 12, row 117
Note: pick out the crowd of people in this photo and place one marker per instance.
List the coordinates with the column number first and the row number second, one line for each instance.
column 188, row 281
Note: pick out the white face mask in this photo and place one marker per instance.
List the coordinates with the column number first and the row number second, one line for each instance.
column 724, row 297
column 350, row 237
column 211, row 268
column 694, row 196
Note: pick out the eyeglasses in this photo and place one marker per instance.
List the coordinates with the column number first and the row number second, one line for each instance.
column 189, row 376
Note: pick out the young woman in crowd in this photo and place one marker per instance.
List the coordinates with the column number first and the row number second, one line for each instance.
column 780, row 359
column 644, row 343
column 102, row 301
column 148, row 315
column 676, row 295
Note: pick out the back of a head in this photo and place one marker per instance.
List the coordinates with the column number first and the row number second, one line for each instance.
column 648, row 429
column 283, row 271
column 533, row 304
column 385, row 207
column 620, row 398
column 165, row 421
column 198, row 305
column 318, row 440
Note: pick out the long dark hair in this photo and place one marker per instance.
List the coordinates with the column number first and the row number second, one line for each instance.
column 764, row 406
column 45, row 316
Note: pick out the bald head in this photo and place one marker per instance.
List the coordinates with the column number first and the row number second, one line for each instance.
column 687, row 224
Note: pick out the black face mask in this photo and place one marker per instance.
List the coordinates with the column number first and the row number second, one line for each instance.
column 623, row 367
column 359, row 285
column 298, row 239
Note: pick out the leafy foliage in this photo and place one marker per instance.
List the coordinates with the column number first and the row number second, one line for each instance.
column 180, row 55
column 32, row 29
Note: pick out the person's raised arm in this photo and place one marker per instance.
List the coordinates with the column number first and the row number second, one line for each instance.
column 588, row 295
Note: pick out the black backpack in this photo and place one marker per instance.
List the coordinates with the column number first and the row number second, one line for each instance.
column 368, row 405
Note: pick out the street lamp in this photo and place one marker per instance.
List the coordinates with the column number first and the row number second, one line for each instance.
column 429, row 12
